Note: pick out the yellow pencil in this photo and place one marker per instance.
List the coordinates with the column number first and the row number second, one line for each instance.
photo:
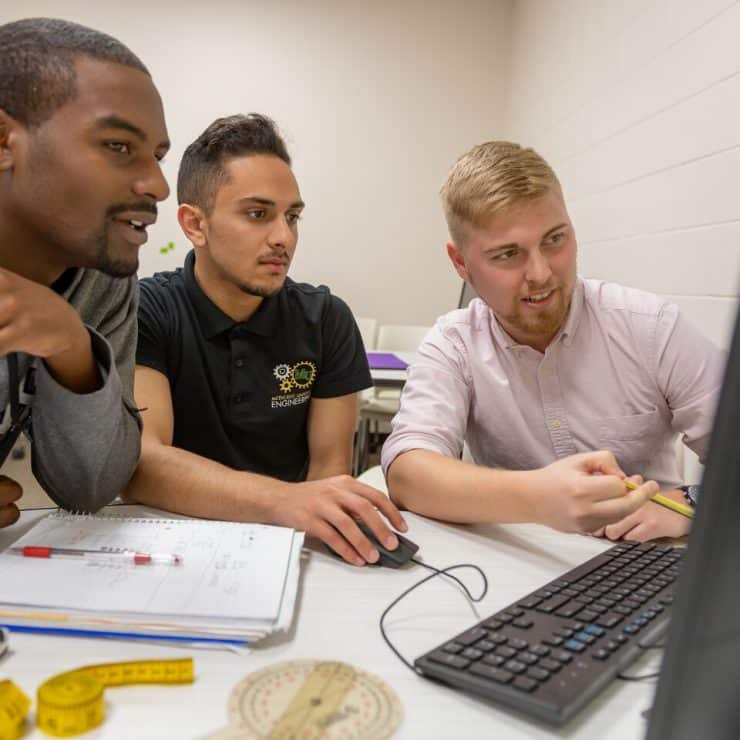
column 669, row 503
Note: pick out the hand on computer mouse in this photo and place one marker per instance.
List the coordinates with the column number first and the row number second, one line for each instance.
column 330, row 509
column 390, row 558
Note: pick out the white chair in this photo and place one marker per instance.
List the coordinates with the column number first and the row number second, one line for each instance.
column 378, row 407
column 367, row 329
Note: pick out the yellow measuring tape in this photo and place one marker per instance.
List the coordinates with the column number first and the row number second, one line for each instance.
column 14, row 706
column 72, row 702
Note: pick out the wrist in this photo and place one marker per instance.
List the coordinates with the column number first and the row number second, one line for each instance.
column 268, row 499
column 690, row 494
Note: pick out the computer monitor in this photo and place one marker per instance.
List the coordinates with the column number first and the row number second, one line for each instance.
column 698, row 694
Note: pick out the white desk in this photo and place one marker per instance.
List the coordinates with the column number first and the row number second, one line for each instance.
column 336, row 618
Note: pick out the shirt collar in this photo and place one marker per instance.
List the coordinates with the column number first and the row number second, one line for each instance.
column 213, row 320
column 566, row 333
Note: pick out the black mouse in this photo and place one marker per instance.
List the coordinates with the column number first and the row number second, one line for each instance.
column 390, row 558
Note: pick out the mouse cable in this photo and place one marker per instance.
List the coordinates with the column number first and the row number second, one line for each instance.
column 436, row 572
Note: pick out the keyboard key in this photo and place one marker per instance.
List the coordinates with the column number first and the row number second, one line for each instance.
column 471, row 653
column 515, row 666
column 504, row 618
column 528, row 658
column 452, row 647
column 530, row 603
column 601, row 654
column 631, row 629
column 490, row 672
column 471, row 636
column 585, row 637
column 453, row 661
column 562, row 656
column 555, row 641
column 539, row 674
column 485, row 645
column 575, row 645
column 586, row 615
column 518, row 644
column 522, row 623
column 550, row 605
column 505, row 651
column 553, row 666
column 612, row 645
column 493, row 624
column 569, row 609
column 609, row 619
column 494, row 660
column 592, row 629
column 497, row 638
column 525, row 684
column 540, row 650
column 564, row 632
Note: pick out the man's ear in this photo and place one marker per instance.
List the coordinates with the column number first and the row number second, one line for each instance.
column 458, row 261
column 9, row 129
column 193, row 223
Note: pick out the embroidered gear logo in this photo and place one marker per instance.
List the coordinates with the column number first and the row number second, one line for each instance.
column 294, row 382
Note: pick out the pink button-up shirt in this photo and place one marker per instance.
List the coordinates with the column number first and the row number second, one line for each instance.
column 626, row 373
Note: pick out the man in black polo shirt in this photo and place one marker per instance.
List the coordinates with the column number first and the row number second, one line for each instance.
column 247, row 380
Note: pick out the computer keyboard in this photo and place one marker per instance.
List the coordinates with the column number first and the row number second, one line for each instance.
column 551, row 652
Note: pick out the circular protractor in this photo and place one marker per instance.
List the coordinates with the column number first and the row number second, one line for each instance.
column 311, row 699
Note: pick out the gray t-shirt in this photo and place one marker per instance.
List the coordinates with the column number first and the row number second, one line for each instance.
column 85, row 448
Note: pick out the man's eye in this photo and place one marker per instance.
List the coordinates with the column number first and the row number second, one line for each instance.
column 120, row 147
column 293, row 218
column 256, row 214
column 506, row 255
column 555, row 238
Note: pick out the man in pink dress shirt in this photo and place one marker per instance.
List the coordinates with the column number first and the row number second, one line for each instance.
column 560, row 386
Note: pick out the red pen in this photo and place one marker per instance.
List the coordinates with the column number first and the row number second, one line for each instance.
column 131, row 556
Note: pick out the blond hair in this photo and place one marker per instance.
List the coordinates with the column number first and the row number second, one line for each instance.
column 491, row 177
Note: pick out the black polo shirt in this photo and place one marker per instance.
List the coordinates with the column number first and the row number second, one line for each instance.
column 241, row 391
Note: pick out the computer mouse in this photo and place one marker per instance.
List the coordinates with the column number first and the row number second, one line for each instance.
column 390, row 558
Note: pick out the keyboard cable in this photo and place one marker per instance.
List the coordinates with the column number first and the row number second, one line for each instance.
column 436, row 572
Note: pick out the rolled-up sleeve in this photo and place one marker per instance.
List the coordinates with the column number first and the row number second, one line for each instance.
column 435, row 402
column 86, row 446
column 689, row 369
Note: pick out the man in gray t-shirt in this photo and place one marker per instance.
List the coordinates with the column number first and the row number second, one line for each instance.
column 81, row 134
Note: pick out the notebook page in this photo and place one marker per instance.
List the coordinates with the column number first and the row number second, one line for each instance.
column 229, row 570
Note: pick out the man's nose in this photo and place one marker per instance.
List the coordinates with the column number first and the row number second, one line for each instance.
column 151, row 183
column 538, row 270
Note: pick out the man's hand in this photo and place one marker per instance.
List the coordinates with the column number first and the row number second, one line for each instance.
column 327, row 509
column 35, row 320
column 583, row 492
column 648, row 522
column 10, row 492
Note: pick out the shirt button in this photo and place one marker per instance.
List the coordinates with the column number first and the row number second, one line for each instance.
column 239, row 362
column 555, row 424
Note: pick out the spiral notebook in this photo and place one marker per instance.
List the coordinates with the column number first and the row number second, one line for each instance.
column 237, row 582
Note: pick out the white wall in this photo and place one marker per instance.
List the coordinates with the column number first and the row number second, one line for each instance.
column 376, row 100
column 636, row 104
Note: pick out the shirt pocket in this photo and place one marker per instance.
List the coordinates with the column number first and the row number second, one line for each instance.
column 631, row 439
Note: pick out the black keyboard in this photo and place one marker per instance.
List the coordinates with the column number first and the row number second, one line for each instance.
column 551, row 652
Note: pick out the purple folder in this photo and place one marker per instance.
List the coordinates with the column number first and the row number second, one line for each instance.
column 385, row 361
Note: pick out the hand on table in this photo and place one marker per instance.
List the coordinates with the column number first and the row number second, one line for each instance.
column 10, row 492
column 584, row 492
column 327, row 509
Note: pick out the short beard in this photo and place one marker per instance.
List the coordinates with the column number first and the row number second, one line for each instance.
column 258, row 291
column 105, row 262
